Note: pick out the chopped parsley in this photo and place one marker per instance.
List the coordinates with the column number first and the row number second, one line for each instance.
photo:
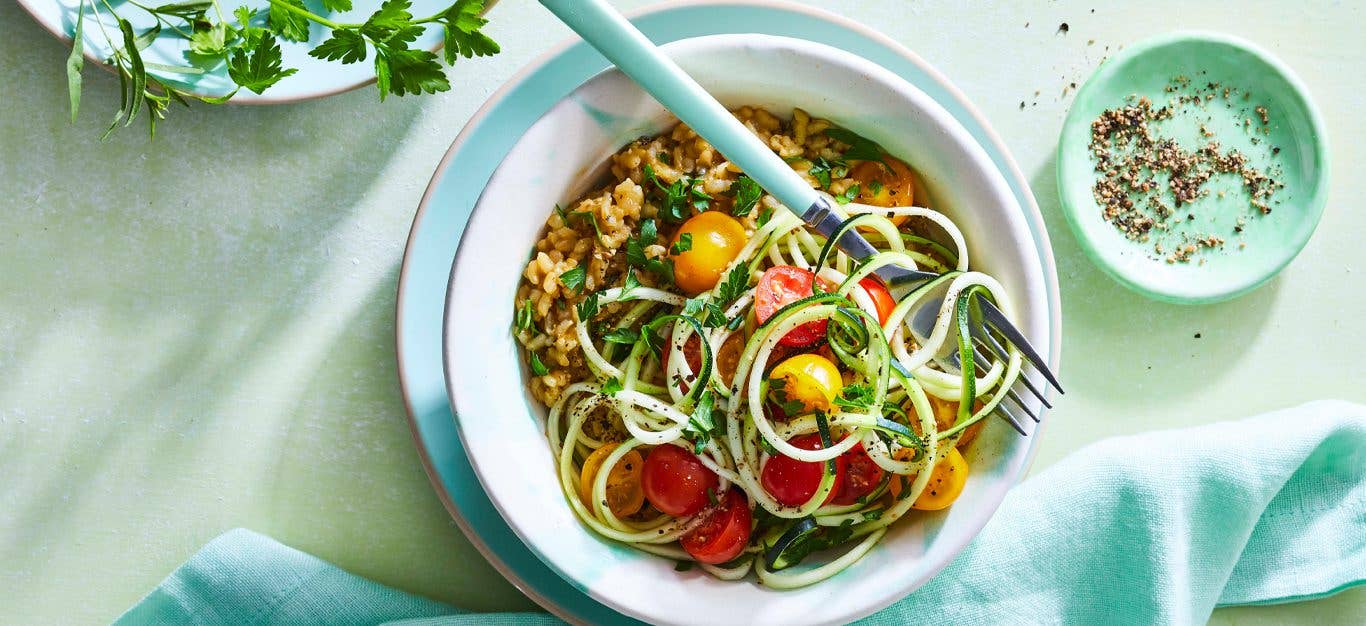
column 875, row 186
column 665, row 158
column 523, row 320
column 589, row 307
column 824, row 171
column 848, row 195
column 573, row 279
column 625, row 336
column 765, row 216
column 611, row 386
column 631, row 283
column 700, row 425
column 855, row 397
column 678, row 200
column 537, row 367
column 860, row 148
column 747, row 194
column 683, row 244
column 734, row 285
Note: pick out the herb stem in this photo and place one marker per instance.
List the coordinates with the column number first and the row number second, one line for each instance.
column 311, row 16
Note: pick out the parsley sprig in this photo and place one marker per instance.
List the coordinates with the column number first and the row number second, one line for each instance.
column 247, row 43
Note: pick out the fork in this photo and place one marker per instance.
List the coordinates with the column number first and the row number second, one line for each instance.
column 625, row 46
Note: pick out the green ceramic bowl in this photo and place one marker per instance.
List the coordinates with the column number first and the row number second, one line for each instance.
column 1295, row 128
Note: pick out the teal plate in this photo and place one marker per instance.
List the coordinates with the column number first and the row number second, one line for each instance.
column 1255, row 250
column 483, row 143
column 315, row 79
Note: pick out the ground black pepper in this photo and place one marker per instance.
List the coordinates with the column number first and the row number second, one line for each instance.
column 1145, row 175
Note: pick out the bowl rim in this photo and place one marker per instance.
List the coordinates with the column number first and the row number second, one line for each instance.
column 1005, row 160
column 1018, row 457
column 1159, row 290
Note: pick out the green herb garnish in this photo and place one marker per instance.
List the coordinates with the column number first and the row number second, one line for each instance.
column 574, row 278
column 683, row 244
column 537, row 367
column 747, row 194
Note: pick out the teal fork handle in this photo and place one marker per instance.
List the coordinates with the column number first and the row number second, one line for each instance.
column 626, row 47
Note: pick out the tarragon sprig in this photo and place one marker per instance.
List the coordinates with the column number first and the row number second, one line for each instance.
column 247, row 43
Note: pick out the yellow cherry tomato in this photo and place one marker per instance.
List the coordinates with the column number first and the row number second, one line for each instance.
column 809, row 379
column 715, row 241
column 946, row 414
column 887, row 185
column 625, row 495
column 946, row 483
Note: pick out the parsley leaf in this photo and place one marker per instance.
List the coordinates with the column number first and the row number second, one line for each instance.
column 700, row 425
column 573, row 279
column 649, row 232
column 286, row 23
column 523, row 319
column 626, row 336
column 820, row 170
column 848, row 195
column 860, row 147
column 683, row 244
column 588, row 309
column 347, row 46
column 400, row 71
column 635, row 255
column 537, row 367
column 631, row 283
column 747, row 194
column 765, row 216
column 665, row 158
column 260, row 68
column 611, row 386
column 875, row 186
column 463, row 37
column 735, row 284
column 856, row 396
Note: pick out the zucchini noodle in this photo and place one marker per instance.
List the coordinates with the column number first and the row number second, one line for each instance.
column 719, row 375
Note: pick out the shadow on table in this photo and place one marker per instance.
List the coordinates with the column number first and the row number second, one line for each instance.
column 192, row 255
column 1114, row 338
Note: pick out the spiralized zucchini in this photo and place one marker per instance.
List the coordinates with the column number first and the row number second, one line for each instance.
column 722, row 417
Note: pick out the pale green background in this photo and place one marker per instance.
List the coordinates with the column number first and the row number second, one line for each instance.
column 196, row 333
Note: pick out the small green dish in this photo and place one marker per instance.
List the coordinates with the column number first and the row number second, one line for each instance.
column 1295, row 129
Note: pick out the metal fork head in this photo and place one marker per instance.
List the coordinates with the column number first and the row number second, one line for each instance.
column 923, row 320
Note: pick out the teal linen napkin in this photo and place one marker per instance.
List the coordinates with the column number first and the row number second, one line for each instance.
column 1154, row 528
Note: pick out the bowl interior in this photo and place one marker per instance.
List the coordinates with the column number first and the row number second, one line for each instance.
column 502, row 427
column 1294, row 130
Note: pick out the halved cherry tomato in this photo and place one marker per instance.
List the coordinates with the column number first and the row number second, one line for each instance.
column 946, row 482
column 887, row 185
column 727, row 357
column 675, row 481
column 808, row 379
column 716, row 240
column 882, row 298
column 782, row 285
column 723, row 533
column 624, row 494
column 861, row 476
column 792, row 482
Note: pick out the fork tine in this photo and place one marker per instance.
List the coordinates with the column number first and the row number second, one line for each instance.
column 998, row 320
column 1002, row 411
column 994, row 348
column 991, row 346
column 1010, row 393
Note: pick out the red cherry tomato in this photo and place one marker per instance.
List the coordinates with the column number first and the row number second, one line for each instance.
column 882, row 298
column 792, row 482
column 723, row 533
column 675, row 481
column 782, row 285
column 861, row 476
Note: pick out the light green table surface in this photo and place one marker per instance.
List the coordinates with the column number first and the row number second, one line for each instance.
column 196, row 333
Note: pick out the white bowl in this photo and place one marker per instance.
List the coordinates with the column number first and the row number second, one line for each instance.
column 502, row 426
